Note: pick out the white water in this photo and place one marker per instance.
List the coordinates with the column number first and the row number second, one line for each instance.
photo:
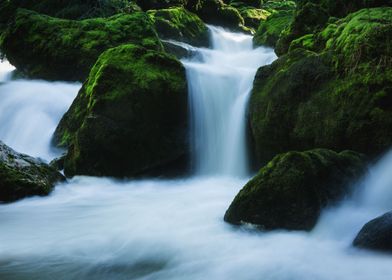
column 97, row 228
column 5, row 70
column 220, row 80
column 30, row 112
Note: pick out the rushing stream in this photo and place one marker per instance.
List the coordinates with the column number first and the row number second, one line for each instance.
column 100, row 228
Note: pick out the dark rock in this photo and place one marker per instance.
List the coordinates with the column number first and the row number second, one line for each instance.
column 23, row 176
column 181, row 25
column 376, row 234
column 331, row 90
column 291, row 190
column 129, row 117
column 57, row 49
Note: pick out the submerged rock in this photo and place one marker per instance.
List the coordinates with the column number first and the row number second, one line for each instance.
column 376, row 234
column 181, row 25
column 291, row 190
column 129, row 117
column 57, row 49
column 23, row 176
column 331, row 90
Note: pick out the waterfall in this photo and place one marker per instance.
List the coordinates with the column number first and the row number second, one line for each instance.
column 100, row 228
column 30, row 112
column 220, row 81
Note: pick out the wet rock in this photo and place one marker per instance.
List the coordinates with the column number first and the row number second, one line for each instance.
column 291, row 190
column 23, row 176
column 376, row 234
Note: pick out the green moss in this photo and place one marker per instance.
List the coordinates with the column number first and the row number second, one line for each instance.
column 74, row 9
column 181, row 25
column 130, row 115
column 332, row 90
column 313, row 15
column 270, row 30
column 252, row 16
column 56, row 49
column 291, row 190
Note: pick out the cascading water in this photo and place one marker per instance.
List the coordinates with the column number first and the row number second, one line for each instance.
column 99, row 228
column 30, row 112
column 220, row 80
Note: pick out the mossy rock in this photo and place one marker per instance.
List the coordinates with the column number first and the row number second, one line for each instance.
column 23, row 176
column 129, row 117
column 268, row 32
column 253, row 17
column 73, row 9
column 216, row 12
column 332, row 90
column 313, row 15
column 181, row 25
column 57, row 49
column 160, row 4
column 291, row 190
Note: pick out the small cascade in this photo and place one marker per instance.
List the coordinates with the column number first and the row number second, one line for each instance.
column 220, row 81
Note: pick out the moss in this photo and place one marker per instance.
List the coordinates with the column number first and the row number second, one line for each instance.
column 160, row 4
column 218, row 13
column 130, row 115
column 313, row 15
column 269, row 30
column 291, row 190
column 56, row 49
column 252, row 16
column 331, row 90
column 181, row 25
column 74, row 9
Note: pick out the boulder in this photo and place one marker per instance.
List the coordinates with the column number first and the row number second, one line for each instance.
column 216, row 12
column 72, row 9
column 376, row 234
column 313, row 15
column 58, row 49
column 291, row 190
column 333, row 89
column 161, row 4
column 269, row 30
column 23, row 176
column 181, row 25
column 130, row 116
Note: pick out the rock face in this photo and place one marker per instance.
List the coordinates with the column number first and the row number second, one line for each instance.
column 23, row 176
column 57, row 49
column 291, row 190
column 181, row 25
column 331, row 90
column 376, row 234
column 129, row 117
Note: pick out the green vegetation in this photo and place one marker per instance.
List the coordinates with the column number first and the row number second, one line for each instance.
column 74, row 9
column 269, row 31
column 332, row 90
column 313, row 15
column 56, row 49
column 129, row 117
column 179, row 24
column 291, row 190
